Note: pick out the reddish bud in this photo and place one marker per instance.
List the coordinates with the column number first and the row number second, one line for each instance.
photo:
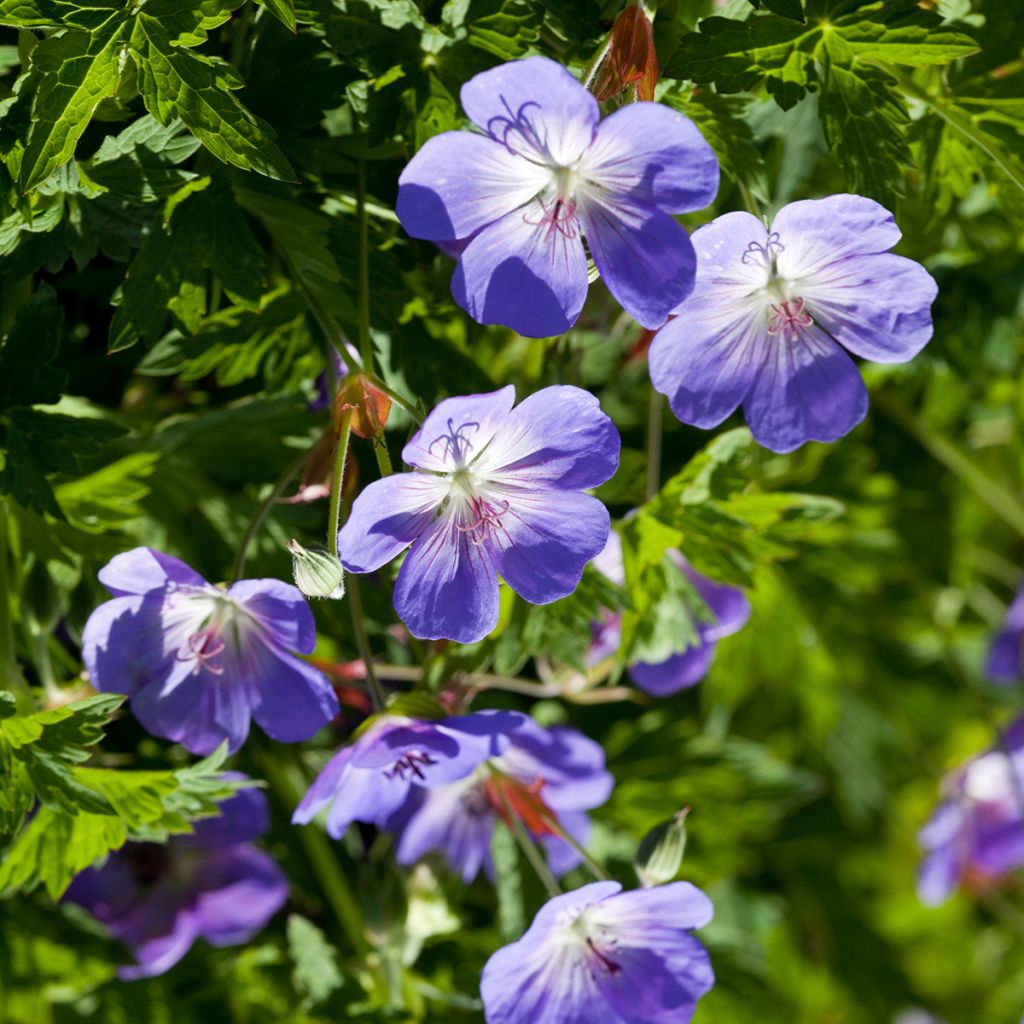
column 630, row 60
column 370, row 406
column 508, row 795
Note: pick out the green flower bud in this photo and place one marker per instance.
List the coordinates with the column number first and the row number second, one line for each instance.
column 317, row 572
column 661, row 851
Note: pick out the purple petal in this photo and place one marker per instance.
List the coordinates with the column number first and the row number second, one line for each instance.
column 557, row 437
column 459, row 429
column 645, row 257
column 199, row 713
column 817, row 232
column 546, row 539
column 707, row 358
column 656, row 990
column 525, row 273
column 879, row 307
column 325, row 787
column 807, row 390
column 281, row 609
column 728, row 605
column 123, row 644
column 240, row 890
column 460, row 182
column 369, row 796
column 448, row 585
column 562, row 856
column 675, row 673
column 386, row 517
column 243, row 818
column 158, row 954
column 533, row 106
column 293, row 699
column 679, row 904
column 655, row 155
column 142, row 569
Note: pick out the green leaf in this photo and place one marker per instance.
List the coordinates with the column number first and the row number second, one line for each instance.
column 505, row 28
column 57, row 13
column 176, row 83
column 109, row 498
column 792, row 9
column 315, row 972
column 78, row 70
column 283, row 10
column 26, row 378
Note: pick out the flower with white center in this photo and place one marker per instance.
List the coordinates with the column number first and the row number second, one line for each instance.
column 976, row 835
column 601, row 954
column 515, row 200
column 495, row 491
column 774, row 312
column 198, row 662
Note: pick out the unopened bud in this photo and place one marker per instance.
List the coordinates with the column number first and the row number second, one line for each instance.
column 317, row 572
column 630, row 60
column 370, row 406
column 661, row 851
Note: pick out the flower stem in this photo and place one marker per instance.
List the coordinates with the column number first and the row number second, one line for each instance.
column 595, row 869
column 262, row 512
column 654, row 422
column 338, row 481
column 10, row 674
column 288, row 782
column 529, row 848
column 355, row 604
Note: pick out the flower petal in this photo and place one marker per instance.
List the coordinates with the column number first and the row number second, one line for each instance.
column 460, row 182
column 646, row 258
column 728, row 605
column 386, row 517
column 816, row 232
column 675, row 673
column 239, row 891
column 199, row 713
column 459, row 429
column 525, row 273
column 545, row 540
column 706, row 359
column 142, row 569
column 294, row 700
column 123, row 644
column 879, row 307
column 158, row 954
column 448, row 585
column 808, row 389
column 557, row 437
column 654, row 155
column 533, row 105
column 281, row 609
column 731, row 251
column 324, row 788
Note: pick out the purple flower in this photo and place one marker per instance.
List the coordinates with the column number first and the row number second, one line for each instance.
column 728, row 606
column 369, row 780
column 547, row 778
column 198, row 661
column 1004, row 657
column 213, row 884
column 545, row 169
column 600, row 954
column 496, row 491
column 977, row 834
column 773, row 310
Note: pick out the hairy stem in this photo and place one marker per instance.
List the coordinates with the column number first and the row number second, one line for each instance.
column 529, row 847
column 338, row 481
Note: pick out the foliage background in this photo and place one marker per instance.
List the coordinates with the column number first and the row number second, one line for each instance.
column 174, row 246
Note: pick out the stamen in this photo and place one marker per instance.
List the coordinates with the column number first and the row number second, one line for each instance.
column 456, row 444
column 608, row 965
column 502, row 127
column 411, row 763
column 559, row 216
column 789, row 316
column 488, row 517
column 758, row 253
column 202, row 648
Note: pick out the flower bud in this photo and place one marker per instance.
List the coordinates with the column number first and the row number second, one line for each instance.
column 317, row 572
column 661, row 851
column 370, row 406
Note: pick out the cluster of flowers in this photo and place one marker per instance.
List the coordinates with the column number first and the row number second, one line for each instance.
column 746, row 315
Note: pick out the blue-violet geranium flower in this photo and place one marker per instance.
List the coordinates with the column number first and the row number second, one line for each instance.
column 198, row 662
column 495, row 491
column 547, row 778
column 214, row 884
column 976, row 835
column 601, row 954
column 370, row 779
column 774, row 310
column 546, row 169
